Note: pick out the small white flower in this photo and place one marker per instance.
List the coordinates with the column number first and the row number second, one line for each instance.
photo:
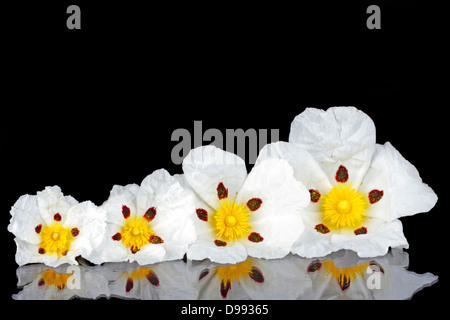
column 358, row 188
column 147, row 223
column 238, row 214
column 53, row 229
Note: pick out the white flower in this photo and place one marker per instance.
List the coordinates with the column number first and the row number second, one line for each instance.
column 65, row 282
column 238, row 214
column 342, row 275
column 358, row 188
column 53, row 229
column 147, row 223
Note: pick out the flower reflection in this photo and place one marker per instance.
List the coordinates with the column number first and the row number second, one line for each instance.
column 341, row 275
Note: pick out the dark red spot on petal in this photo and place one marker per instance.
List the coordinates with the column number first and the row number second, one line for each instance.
column 222, row 192
column 129, row 285
column 155, row 239
column 75, row 232
column 314, row 266
column 202, row 214
column 322, row 228
column 134, row 249
column 117, row 237
column 315, row 195
column 125, row 211
column 64, row 253
column 375, row 266
column 38, row 228
column 225, row 286
column 344, row 282
column 57, row 217
column 203, row 274
column 41, row 282
column 256, row 275
column 362, row 230
column 375, row 195
column 153, row 278
column 150, row 214
column 255, row 237
column 220, row 243
column 342, row 174
column 41, row 251
column 254, row 204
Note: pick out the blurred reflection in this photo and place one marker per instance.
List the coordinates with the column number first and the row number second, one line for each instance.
column 342, row 275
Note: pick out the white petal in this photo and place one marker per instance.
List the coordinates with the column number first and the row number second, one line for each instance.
column 233, row 252
column 338, row 136
column 25, row 218
column 120, row 196
column 404, row 194
column 51, row 201
column 109, row 250
column 306, row 168
column 175, row 210
column 90, row 222
column 205, row 167
column 381, row 235
column 278, row 219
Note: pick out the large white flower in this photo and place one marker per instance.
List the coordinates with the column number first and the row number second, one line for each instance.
column 238, row 214
column 358, row 189
column 53, row 229
column 147, row 223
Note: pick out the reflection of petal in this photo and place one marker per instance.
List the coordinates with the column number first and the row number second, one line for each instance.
column 343, row 275
column 166, row 280
column 65, row 282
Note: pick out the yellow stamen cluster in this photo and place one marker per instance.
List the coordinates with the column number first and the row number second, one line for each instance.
column 343, row 207
column 231, row 221
column 136, row 233
column 55, row 239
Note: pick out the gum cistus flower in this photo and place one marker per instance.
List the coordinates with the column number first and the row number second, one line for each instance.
column 238, row 214
column 358, row 189
column 148, row 223
column 53, row 229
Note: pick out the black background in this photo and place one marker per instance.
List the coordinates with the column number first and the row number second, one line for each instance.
column 87, row 109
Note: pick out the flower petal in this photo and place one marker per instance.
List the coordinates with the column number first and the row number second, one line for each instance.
column 205, row 168
column 52, row 202
column 120, row 196
column 25, row 218
column 404, row 194
column 278, row 220
column 340, row 136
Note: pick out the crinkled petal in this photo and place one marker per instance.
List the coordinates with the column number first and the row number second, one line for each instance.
column 25, row 218
column 120, row 196
column 51, row 201
column 278, row 219
column 206, row 167
column 339, row 136
column 306, row 168
column 175, row 209
column 381, row 235
column 233, row 252
column 404, row 193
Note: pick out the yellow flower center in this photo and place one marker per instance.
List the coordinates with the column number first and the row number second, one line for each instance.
column 136, row 233
column 344, row 275
column 231, row 221
column 343, row 207
column 56, row 239
column 50, row 277
column 235, row 272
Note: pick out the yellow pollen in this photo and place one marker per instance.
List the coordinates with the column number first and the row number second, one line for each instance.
column 55, row 239
column 235, row 272
column 231, row 221
column 55, row 279
column 343, row 207
column 136, row 233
